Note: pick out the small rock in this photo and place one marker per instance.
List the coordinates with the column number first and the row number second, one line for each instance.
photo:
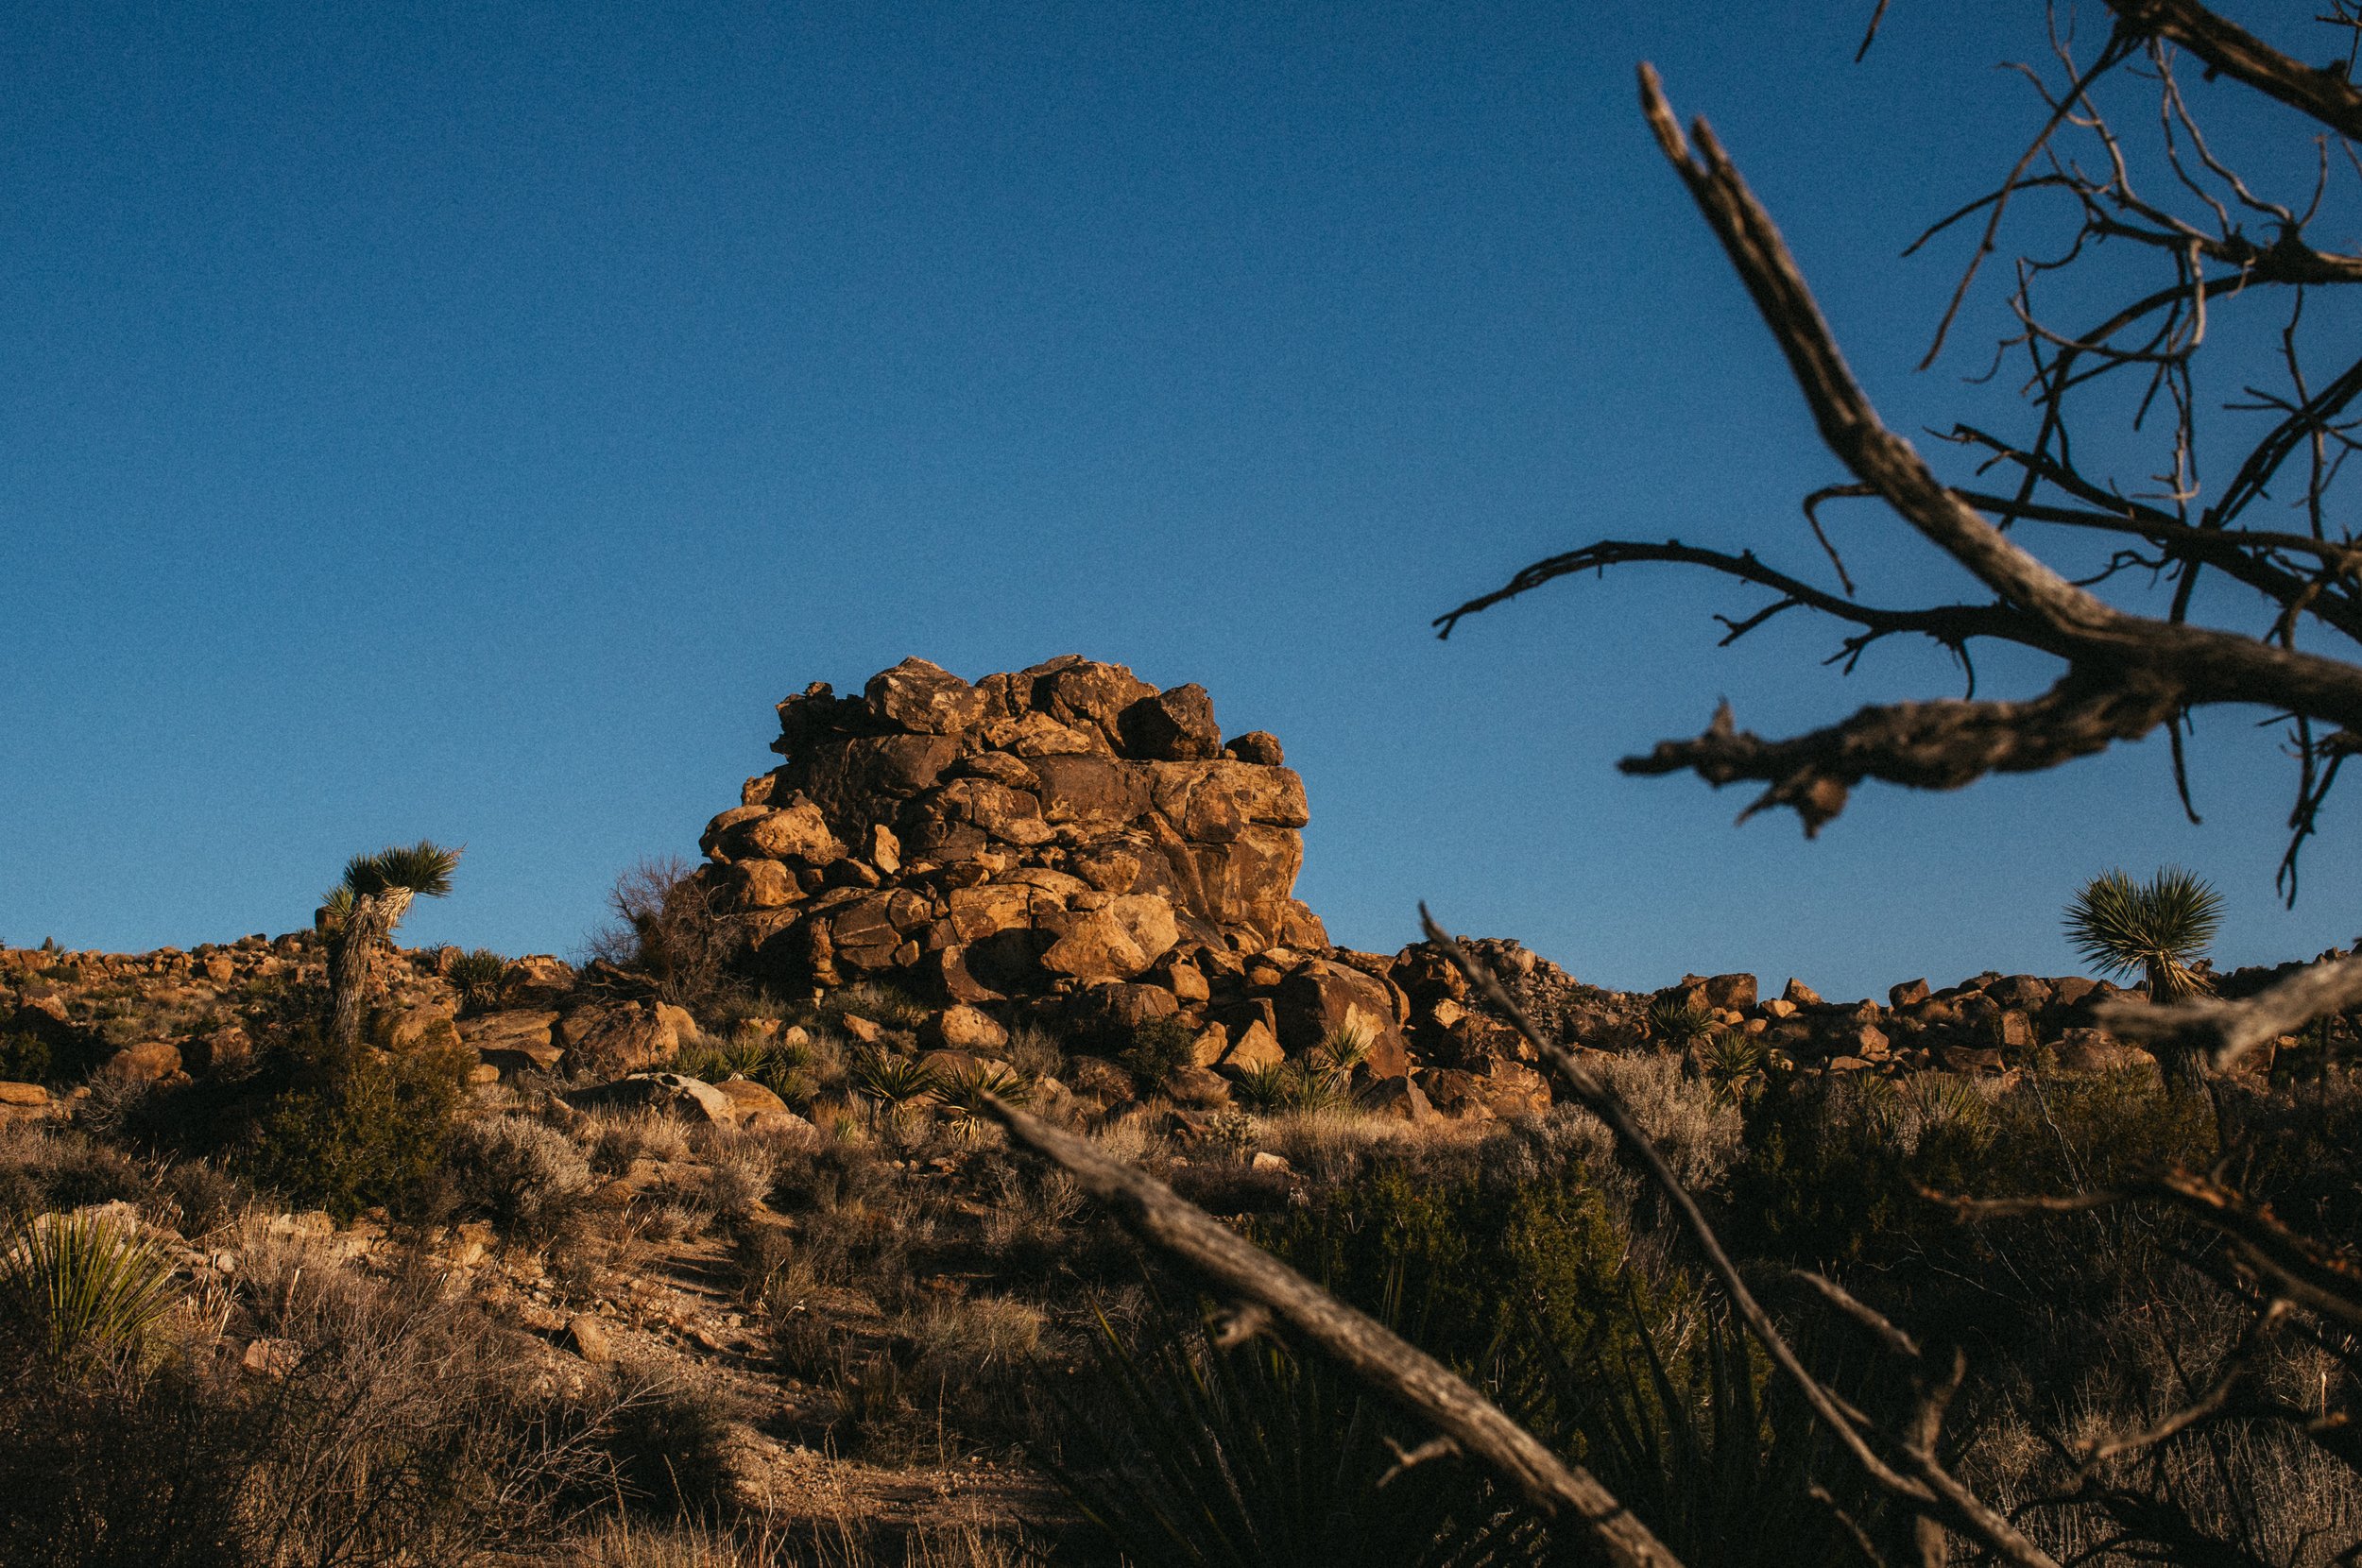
column 586, row 1337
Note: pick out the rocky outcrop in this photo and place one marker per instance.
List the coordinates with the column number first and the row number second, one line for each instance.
column 1046, row 832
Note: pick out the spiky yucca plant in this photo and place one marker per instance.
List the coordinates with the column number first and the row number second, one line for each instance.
column 377, row 892
column 966, row 1093
column 895, row 1080
column 1678, row 1021
column 84, row 1287
column 2155, row 929
column 476, row 976
column 2123, row 928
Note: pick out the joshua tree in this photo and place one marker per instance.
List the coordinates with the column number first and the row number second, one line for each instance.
column 2122, row 927
column 362, row 911
column 2155, row 929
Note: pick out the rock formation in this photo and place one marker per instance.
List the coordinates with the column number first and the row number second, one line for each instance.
column 1065, row 827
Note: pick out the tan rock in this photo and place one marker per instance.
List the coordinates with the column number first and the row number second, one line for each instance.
column 1258, row 746
column 793, row 832
column 963, row 1028
column 586, row 1337
column 1399, row 1098
column 1031, row 735
column 669, row 1093
column 610, row 1039
column 1147, row 920
column 426, row 1026
column 1091, row 945
column 1800, row 994
column 924, row 699
column 1321, row 998
column 1253, row 1047
column 23, row 1094
column 1175, row 725
column 763, row 885
column 144, row 1063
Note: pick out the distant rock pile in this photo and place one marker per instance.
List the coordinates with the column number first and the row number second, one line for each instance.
column 1063, row 827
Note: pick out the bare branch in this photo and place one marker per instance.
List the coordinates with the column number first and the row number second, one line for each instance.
column 2227, row 1030
column 1929, row 1487
column 1359, row 1343
column 2214, row 1402
column 1929, row 745
column 2298, row 1268
column 2325, row 95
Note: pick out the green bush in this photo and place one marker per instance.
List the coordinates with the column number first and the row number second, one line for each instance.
column 1479, row 1259
column 476, row 976
column 1159, row 1049
column 24, row 1057
column 347, row 1133
column 1188, row 1455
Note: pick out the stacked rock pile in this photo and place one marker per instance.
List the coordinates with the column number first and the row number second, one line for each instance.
column 1044, row 833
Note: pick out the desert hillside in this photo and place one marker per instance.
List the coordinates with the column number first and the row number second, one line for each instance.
column 711, row 1244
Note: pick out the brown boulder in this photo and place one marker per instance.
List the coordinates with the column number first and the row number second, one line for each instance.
column 1090, row 945
column 144, row 1063
column 1253, row 1047
column 1908, row 994
column 668, row 1093
column 1398, row 1098
column 1260, row 747
column 608, row 1040
column 963, row 1028
column 1172, row 727
column 924, row 699
column 1085, row 694
column 1734, row 992
column 1323, row 999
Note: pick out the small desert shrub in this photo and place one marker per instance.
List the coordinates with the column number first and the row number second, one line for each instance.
column 1158, row 1048
column 346, row 1133
column 83, row 1286
column 1697, row 1128
column 675, row 930
column 619, row 1138
column 1035, row 1051
column 197, row 1197
column 400, row 1428
column 880, row 1001
column 476, row 976
column 1475, row 1258
column 44, row 1170
column 669, row 1449
column 524, row 1177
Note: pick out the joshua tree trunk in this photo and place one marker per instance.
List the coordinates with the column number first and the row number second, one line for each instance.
column 2184, row 1064
column 365, row 930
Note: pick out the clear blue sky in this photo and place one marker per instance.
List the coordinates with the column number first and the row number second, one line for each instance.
column 465, row 421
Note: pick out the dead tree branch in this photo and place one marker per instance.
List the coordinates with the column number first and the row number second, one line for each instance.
column 1916, row 1477
column 2227, row 1030
column 1364, row 1347
column 2126, row 673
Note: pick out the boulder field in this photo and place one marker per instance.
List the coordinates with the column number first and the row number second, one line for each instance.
column 1065, row 846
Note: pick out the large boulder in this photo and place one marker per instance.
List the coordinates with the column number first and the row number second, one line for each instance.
column 608, row 1040
column 924, row 699
column 1321, row 999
